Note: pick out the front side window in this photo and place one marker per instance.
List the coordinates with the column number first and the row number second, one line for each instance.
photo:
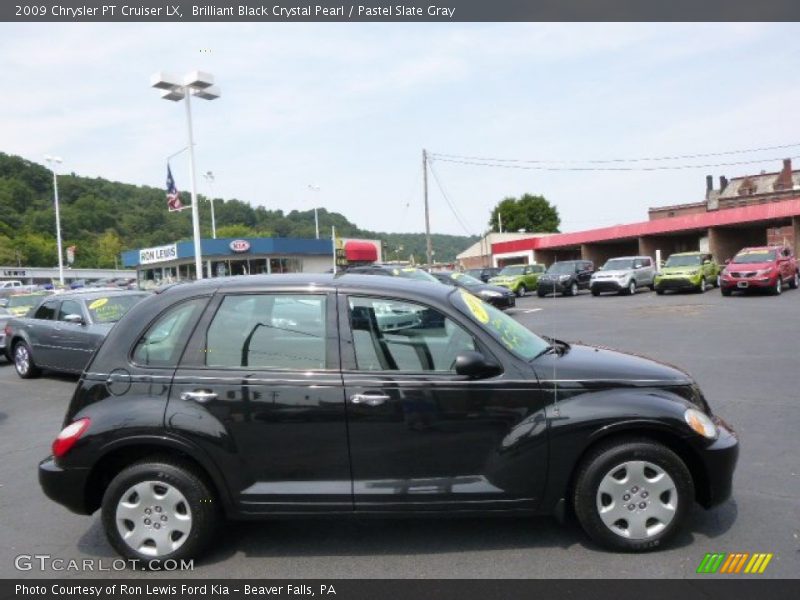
column 273, row 331
column 163, row 342
column 69, row 307
column 394, row 335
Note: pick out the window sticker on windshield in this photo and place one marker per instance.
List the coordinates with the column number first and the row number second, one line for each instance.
column 98, row 303
column 475, row 307
column 457, row 275
column 409, row 270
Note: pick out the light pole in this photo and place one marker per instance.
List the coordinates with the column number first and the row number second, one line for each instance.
column 50, row 160
column 315, row 188
column 210, row 178
column 200, row 84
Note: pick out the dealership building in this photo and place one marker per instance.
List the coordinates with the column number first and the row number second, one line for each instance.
column 246, row 256
column 754, row 210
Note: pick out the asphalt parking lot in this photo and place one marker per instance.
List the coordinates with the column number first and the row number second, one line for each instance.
column 744, row 352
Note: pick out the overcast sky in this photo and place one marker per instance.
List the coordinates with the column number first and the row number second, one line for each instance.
column 349, row 107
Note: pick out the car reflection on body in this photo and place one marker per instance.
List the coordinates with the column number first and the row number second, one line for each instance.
column 498, row 296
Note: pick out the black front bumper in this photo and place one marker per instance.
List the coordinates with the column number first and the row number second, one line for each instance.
column 675, row 284
column 553, row 287
column 503, row 301
column 607, row 285
column 65, row 486
column 719, row 462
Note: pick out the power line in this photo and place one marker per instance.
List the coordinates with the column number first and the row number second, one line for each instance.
column 616, row 160
column 449, row 202
column 499, row 165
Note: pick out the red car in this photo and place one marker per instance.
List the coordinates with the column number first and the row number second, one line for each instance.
column 762, row 268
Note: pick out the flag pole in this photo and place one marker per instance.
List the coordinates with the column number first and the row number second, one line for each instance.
column 333, row 241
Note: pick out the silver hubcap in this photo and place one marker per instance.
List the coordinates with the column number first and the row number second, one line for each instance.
column 632, row 288
column 22, row 359
column 574, row 289
column 153, row 518
column 778, row 285
column 703, row 285
column 637, row 500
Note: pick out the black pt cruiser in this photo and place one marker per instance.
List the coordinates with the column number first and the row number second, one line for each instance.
column 297, row 395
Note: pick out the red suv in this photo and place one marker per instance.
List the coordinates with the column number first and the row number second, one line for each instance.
column 763, row 268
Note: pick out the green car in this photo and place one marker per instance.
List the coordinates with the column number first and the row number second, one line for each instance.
column 693, row 271
column 518, row 278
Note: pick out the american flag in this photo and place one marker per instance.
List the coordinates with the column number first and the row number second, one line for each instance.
column 173, row 198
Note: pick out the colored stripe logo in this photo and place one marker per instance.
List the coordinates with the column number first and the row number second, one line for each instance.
column 735, row 562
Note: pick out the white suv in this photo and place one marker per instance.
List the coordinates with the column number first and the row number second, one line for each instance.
column 623, row 275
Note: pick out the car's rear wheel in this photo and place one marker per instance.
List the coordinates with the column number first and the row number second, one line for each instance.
column 159, row 510
column 794, row 283
column 632, row 495
column 717, row 281
column 521, row 290
column 595, row 292
column 23, row 361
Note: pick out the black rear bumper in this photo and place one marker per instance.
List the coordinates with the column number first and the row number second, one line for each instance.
column 65, row 486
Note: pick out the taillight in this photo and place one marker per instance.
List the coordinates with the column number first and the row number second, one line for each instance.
column 69, row 435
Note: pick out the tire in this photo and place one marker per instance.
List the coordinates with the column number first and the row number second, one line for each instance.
column 717, row 280
column 652, row 287
column 540, row 293
column 660, row 292
column 23, row 361
column 521, row 290
column 632, row 472
column 631, row 288
column 725, row 291
column 794, row 283
column 777, row 289
column 701, row 288
column 595, row 292
column 192, row 513
column 573, row 289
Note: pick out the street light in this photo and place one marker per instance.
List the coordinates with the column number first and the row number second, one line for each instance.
column 200, row 84
column 315, row 188
column 50, row 160
column 210, row 178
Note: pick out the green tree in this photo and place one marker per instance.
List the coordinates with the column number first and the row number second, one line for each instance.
column 236, row 231
column 532, row 213
column 108, row 248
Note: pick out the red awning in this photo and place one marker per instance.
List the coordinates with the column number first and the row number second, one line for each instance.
column 356, row 251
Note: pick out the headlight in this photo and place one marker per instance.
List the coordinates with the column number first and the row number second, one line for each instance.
column 763, row 272
column 622, row 277
column 563, row 277
column 700, row 423
column 491, row 294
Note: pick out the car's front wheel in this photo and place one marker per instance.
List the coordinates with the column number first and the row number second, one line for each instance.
column 778, row 287
column 521, row 290
column 701, row 287
column 159, row 510
column 23, row 361
column 632, row 495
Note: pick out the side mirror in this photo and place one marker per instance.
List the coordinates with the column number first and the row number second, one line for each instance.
column 727, row 261
column 706, row 262
column 73, row 318
column 599, row 268
column 475, row 365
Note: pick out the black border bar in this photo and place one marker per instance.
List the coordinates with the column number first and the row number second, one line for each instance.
column 139, row 11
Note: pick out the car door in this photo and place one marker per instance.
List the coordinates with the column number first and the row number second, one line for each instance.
column 75, row 342
column 785, row 264
column 40, row 330
column 584, row 275
column 260, row 389
column 423, row 437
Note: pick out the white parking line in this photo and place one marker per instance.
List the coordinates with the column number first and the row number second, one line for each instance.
column 530, row 310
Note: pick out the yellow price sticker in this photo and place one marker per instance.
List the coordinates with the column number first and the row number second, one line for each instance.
column 98, row 303
column 475, row 307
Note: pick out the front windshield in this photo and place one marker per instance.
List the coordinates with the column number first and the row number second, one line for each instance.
column 518, row 339
column 111, row 309
column 684, row 260
column 618, row 264
column 562, row 267
column 756, row 256
column 465, row 279
column 411, row 273
column 513, row 271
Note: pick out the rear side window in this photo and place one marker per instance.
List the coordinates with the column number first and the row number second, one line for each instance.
column 272, row 331
column 163, row 342
column 69, row 307
column 46, row 311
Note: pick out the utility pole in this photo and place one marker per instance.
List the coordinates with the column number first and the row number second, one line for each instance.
column 499, row 221
column 429, row 246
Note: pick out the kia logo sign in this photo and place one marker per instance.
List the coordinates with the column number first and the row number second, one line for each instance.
column 240, row 245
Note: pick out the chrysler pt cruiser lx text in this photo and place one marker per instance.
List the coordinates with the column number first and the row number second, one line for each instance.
column 284, row 395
